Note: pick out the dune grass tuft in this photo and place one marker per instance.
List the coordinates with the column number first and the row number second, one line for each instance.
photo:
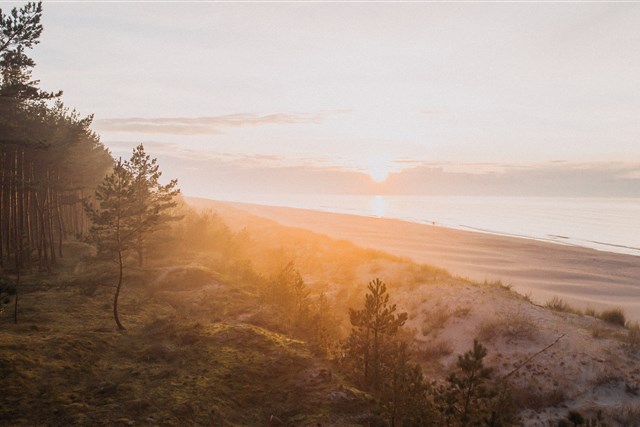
column 560, row 305
column 615, row 316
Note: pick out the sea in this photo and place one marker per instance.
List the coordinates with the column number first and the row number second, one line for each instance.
column 607, row 224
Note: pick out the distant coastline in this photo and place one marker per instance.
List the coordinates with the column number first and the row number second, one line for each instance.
column 604, row 224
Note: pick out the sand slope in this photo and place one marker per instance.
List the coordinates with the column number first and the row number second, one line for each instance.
column 582, row 276
column 553, row 361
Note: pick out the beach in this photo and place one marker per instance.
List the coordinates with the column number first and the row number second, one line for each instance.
column 581, row 276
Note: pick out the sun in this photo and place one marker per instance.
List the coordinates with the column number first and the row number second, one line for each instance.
column 379, row 169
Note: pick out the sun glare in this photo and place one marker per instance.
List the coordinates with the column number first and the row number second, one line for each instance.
column 379, row 169
column 379, row 206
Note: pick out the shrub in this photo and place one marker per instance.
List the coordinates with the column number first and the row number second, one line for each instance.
column 527, row 397
column 435, row 320
column 615, row 316
column 514, row 327
column 633, row 336
column 626, row 415
column 437, row 349
column 576, row 418
column 558, row 304
column 598, row 332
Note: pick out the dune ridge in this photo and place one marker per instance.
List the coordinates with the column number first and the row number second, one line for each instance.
column 584, row 277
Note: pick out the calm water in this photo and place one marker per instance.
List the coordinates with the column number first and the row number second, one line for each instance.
column 610, row 224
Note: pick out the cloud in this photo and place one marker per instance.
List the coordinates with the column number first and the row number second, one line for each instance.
column 208, row 125
column 208, row 172
column 599, row 179
column 174, row 152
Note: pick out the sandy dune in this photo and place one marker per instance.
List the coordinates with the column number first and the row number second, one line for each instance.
column 584, row 277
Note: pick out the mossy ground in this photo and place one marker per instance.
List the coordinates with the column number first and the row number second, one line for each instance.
column 186, row 357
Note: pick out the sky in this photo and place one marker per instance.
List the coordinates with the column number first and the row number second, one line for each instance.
column 374, row 98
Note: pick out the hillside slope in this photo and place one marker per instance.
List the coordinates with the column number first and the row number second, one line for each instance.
column 184, row 360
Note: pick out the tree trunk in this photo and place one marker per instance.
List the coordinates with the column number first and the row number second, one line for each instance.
column 52, row 242
column 115, row 300
column 42, row 241
column 22, row 207
column 60, row 224
column 15, row 303
column 82, row 214
column 140, row 248
column 17, row 244
column 29, row 215
column 16, row 213
column 2, row 211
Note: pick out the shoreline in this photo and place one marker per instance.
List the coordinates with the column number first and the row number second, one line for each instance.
column 582, row 276
column 608, row 227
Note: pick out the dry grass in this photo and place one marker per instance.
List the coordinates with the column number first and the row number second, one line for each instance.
column 435, row 350
column 514, row 327
column 615, row 316
column 527, row 397
column 598, row 332
column 436, row 318
column 607, row 376
column 633, row 336
column 560, row 305
column 626, row 415
column 590, row 311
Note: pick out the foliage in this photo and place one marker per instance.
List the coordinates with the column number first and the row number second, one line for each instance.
column 558, row 304
column 113, row 226
column 168, row 369
column 576, row 418
column 48, row 156
column 114, row 222
column 21, row 27
column 383, row 363
column 405, row 395
column 204, row 231
column 615, row 316
column 152, row 199
column 372, row 330
column 466, row 399
column 131, row 204
column 516, row 326
column 633, row 336
column 296, row 311
column 7, row 289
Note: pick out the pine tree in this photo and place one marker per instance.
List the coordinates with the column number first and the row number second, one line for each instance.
column 153, row 200
column 372, row 328
column 19, row 30
column 21, row 27
column 405, row 394
column 114, row 222
column 467, row 400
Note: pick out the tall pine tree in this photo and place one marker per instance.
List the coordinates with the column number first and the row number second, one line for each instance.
column 152, row 199
column 114, row 221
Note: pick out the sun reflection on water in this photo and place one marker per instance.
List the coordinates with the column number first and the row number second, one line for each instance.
column 379, row 206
